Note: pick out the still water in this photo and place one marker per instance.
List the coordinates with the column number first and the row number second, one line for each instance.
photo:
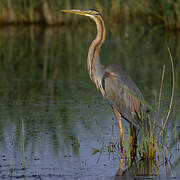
column 45, row 91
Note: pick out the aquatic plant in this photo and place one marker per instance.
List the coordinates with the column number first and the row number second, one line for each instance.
column 154, row 140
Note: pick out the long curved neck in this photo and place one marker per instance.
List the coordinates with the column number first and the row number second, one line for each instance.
column 93, row 53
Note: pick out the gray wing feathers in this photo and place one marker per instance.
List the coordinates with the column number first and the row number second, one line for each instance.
column 123, row 94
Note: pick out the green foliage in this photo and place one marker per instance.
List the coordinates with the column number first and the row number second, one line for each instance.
column 164, row 12
column 95, row 151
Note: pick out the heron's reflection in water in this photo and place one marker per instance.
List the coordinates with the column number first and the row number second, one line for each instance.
column 145, row 168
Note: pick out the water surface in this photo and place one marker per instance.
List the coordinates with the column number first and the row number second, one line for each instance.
column 44, row 84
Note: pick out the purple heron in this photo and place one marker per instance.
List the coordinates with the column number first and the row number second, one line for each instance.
column 115, row 85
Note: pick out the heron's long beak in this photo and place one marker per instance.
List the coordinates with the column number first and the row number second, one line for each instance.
column 75, row 11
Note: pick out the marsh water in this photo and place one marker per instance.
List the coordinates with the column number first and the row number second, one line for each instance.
column 55, row 123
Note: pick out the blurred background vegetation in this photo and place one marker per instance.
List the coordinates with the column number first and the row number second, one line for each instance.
column 162, row 12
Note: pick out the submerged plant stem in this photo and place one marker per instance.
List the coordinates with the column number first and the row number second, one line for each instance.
column 23, row 148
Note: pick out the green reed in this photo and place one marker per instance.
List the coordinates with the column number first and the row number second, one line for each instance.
column 164, row 12
column 156, row 139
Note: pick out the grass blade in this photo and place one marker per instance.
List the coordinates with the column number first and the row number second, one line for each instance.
column 172, row 94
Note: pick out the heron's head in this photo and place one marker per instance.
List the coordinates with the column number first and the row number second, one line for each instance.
column 88, row 12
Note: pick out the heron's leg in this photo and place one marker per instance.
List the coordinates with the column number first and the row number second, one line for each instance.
column 121, row 163
column 132, row 141
column 118, row 116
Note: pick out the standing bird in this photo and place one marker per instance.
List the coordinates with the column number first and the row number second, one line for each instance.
column 115, row 85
